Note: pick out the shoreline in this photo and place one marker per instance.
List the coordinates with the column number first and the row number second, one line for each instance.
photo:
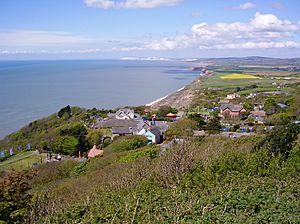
column 179, row 99
column 164, row 97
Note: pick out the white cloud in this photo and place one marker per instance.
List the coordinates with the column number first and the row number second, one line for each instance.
column 37, row 38
column 130, row 3
column 247, row 5
column 263, row 31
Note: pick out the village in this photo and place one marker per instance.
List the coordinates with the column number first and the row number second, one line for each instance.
column 234, row 120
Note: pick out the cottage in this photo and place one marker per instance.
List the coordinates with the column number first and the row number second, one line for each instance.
column 258, row 116
column 153, row 136
column 121, row 131
column 125, row 114
column 94, row 152
column 233, row 96
column 232, row 110
column 171, row 116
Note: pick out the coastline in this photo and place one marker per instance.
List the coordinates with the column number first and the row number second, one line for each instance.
column 179, row 99
column 164, row 97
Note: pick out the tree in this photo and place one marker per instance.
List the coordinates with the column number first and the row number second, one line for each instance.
column 200, row 121
column 164, row 110
column 270, row 106
column 214, row 126
column 67, row 145
column 65, row 111
column 94, row 137
column 181, row 128
column 280, row 140
column 78, row 131
column 279, row 119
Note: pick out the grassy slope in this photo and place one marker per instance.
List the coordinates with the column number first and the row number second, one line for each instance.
column 211, row 180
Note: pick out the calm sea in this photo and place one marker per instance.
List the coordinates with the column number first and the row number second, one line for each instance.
column 30, row 90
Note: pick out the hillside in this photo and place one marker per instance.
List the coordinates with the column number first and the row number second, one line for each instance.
column 254, row 60
column 211, row 179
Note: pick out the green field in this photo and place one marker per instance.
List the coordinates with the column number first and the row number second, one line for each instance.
column 21, row 161
column 228, row 78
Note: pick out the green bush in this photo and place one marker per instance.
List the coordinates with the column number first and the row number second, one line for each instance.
column 129, row 143
column 134, row 155
column 14, row 197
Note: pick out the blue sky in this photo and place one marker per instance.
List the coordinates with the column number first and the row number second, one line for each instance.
column 58, row 29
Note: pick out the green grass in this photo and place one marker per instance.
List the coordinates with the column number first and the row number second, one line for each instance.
column 216, row 80
column 21, row 161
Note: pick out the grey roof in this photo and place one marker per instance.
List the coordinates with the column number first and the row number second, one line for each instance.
column 122, row 130
column 281, row 105
column 161, row 126
column 232, row 107
column 113, row 122
column 155, row 131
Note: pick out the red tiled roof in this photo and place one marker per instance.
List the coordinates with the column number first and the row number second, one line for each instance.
column 95, row 152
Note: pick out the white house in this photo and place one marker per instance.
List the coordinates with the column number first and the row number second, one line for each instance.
column 125, row 113
column 233, row 96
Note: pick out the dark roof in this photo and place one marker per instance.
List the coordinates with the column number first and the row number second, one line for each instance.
column 232, row 107
column 155, row 131
column 113, row 122
column 122, row 130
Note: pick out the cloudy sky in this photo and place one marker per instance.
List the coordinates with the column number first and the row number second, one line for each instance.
column 59, row 29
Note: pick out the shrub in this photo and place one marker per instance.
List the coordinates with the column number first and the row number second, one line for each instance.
column 280, row 140
column 181, row 128
column 129, row 143
column 134, row 155
column 14, row 197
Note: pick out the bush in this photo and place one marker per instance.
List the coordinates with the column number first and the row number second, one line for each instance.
column 14, row 197
column 181, row 128
column 280, row 140
column 129, row 143
column 134, row 155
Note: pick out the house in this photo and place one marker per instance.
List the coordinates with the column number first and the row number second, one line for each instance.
column 158, row 129
column 258, row 106
column 259, row 116
column 282, row 106
column 231, row 110
column 113, row 122
column 125, row 113
column 121, row 131
column 171, row 116
column 94, row 152
column 154, row 136
column 251, row 95
column 233, row 96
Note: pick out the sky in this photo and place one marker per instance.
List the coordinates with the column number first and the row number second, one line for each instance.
column 110, row 29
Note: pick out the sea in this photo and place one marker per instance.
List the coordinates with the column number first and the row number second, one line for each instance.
column 30, row 90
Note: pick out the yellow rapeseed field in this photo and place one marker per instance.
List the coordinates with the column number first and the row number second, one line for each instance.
column 239, row 76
